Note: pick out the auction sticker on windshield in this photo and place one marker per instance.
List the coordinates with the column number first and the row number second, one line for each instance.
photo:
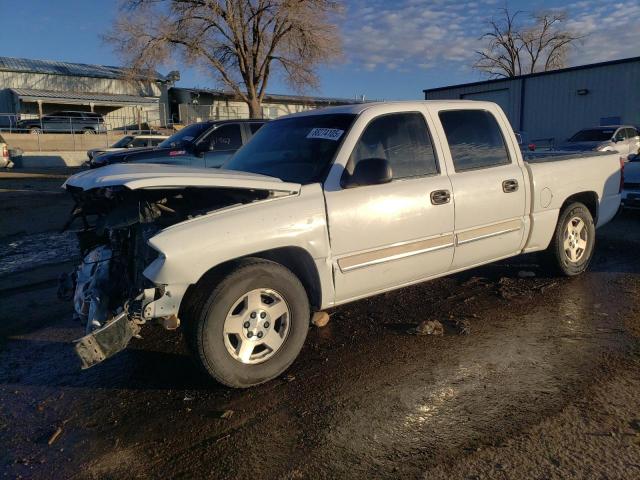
column 326, row 133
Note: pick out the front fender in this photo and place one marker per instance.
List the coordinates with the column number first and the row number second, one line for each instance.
column 189, row 249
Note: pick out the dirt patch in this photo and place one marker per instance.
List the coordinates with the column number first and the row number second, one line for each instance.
column 545, row 385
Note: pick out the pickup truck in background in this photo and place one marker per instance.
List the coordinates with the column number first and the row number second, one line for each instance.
column 321, row 208
column 631, row 187
column 204, row 144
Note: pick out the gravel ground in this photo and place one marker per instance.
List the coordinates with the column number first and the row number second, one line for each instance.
column 545, row 385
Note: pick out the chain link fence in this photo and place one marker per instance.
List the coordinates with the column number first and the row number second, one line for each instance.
column 77, row 131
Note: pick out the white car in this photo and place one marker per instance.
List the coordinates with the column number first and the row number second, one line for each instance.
column 129, row 141
column 5, row 159
column 623, row 139
column 320, row 209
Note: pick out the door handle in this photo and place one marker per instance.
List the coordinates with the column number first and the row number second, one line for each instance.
column 510, row 186
column 440, row 197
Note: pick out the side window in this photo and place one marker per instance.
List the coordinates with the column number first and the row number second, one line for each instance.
column 255, row 127
column 403, row 140
column 155, row 141
column 632, row 132
column 474, row 138
column 227, row 137
column 139, row 142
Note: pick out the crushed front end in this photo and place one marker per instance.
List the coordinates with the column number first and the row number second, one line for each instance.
column 110, row 294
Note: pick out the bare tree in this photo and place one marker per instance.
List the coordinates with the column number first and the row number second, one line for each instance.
column 515, row 48
column 243, row 42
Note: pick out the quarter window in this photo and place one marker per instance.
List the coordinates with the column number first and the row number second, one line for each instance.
column 403, row 140
column 474, row 138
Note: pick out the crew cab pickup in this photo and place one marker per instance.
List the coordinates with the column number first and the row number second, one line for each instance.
column 319, row 209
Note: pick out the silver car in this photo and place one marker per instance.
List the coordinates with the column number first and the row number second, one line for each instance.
column 624, row 139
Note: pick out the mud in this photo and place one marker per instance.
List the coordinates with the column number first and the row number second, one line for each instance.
column 545, row 385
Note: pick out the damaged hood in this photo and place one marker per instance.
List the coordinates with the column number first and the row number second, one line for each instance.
column 141, row 176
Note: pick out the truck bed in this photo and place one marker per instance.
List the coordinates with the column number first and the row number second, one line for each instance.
column 559, row 155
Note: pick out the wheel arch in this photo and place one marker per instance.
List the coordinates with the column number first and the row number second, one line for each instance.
column 588, row 198
column 296, row 259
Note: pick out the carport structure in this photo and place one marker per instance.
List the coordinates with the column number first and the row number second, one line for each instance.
column 32, row 88
column 48, row 101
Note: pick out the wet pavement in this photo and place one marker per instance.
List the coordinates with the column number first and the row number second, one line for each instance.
column 364, row 400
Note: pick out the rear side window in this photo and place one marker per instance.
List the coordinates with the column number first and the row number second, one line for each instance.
column 475, row 139
column 226, row 137
column 632, row 132
column 403, row 140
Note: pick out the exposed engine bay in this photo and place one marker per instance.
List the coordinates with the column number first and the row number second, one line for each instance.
column 114, row 224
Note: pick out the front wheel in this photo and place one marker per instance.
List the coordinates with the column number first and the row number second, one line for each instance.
column 251, row 326
column 573, row 242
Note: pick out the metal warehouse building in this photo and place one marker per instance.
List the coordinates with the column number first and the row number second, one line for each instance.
column 30, row 88
column 554, row 105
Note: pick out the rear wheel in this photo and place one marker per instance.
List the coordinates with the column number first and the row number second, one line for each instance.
column 573, row 242
column 251, row 325
column 35, row 130
column 88, row 131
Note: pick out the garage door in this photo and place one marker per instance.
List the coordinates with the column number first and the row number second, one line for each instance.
column 501, row 97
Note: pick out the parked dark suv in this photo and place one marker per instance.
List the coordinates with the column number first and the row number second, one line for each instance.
column 64, row 122
column 205, row 144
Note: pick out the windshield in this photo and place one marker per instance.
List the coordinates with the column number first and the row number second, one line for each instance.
column 123, row 142
column 297, row 149
column 593, row 135
column 185, row 136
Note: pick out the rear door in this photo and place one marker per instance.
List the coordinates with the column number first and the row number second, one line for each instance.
column 488, row 185
column 397, row 233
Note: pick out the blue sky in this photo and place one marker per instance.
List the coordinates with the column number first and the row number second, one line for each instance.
column 393, row 49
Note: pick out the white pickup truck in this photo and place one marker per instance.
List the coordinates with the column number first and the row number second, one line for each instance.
column 320, row 209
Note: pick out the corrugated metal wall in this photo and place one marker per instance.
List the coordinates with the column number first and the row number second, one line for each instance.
column 61, row 83
column 552, row 106
column 511, row 89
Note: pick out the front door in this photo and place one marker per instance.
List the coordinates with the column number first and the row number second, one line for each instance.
column 388, row 235
column 488, row 183
column 223, row 142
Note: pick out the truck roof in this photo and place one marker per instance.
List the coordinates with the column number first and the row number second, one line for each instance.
column 358, row 108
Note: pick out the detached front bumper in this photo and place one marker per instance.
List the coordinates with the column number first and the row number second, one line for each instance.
column 106, row 341
column 110, row 327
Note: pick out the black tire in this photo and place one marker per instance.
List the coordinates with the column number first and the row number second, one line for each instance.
column 204, row 320
column 556, row 258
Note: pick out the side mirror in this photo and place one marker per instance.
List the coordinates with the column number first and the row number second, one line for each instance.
column 370, row 171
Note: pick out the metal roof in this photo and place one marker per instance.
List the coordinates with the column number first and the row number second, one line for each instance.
column 537, row 74
column 26, row 65
column 47, row 96
column 273, row 97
